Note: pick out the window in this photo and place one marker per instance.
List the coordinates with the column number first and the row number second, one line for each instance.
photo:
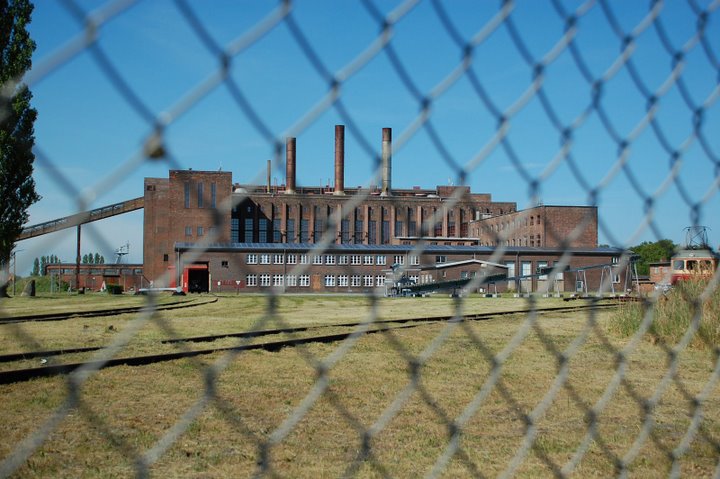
column 248, row 230
column 251, row 280
column 380, row 280
column 329, row 281
column 343, row 280
column 441, row 259
column 303, row 259
column 615, row 260
column 265, row 258
column 263, row 230
column 251, row 258
column 355, row 280
column 399, row 259
column 317, row 259
column 367, row 280
column 200, row 195
column 292, row 259
column 290, row 231
column 540, row 266
column 278, row 259
column 291, row 280
column 330, row 259
column 616, row 279
column 188, row 231
column 278, row 279
column 355, row 259
column 200, row 231
column 344, row 231
column 264, row 280
column 414, row 259
column 277, row 237
column 380, row 260
column 413, row 279
column 343, row 259
column 224, row 264
column 235, row 230
column 304, row 280
column 165, row 257
column 213, row 195
column 187, row 195
column 368, row 260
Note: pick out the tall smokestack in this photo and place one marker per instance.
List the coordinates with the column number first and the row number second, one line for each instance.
column 386, row 161
column 269, row 172
column 290, row 166
column 339, row 159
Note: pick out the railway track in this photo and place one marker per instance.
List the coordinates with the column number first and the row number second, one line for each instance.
column 25, row 374
column 188, row 303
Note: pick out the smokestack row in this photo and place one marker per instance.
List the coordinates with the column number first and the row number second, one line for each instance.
column 290, row 162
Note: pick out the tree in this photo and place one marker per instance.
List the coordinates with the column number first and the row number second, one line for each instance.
column 36, row 267
column 652, row 252
column 17, row 117
column 97, row 258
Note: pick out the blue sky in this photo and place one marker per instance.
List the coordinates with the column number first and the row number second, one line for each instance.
column 86, row 130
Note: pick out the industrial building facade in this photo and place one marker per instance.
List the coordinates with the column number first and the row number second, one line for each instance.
column 250, row 237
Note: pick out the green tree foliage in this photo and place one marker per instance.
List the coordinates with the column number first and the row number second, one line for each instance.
column 652, row 252
column 17, row 117
column 99, row 259
column 36, row 267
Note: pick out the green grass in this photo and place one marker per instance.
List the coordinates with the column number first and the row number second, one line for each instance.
column 673, row 315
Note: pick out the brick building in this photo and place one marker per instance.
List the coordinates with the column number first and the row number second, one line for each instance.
column 206, row 213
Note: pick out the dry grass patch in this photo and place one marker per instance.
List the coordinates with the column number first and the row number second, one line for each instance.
column 126, row 410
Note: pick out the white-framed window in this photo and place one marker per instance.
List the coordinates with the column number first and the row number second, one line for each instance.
column 413, row 279
column 355, row 259
column 343, row 259
column 330, row 259
column 343, row 280
column 615, row 259
column 414, row 259
column 291, row 280
column 304, row 280
column 278, row 280
column 441, row 259
column 380, row 280
column 251, row 258
column 265, row 258
column 264, row 280
column 368, row 260
column 317, row 259
column 251, row 280
column 381, row 260
column 278, row 259
column 616, row 279
column 399, row 259
column 368, row 280
column 329, row 280
column 292, row 259
column 303, row 259
column 355, row 280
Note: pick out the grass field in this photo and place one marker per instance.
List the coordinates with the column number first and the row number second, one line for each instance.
column 124, row 411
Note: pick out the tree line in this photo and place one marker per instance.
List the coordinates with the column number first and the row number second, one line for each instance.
column 40, row 263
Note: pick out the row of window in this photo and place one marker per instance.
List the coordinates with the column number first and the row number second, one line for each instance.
column 303, row 280
column 327, row 259
column 200, row 231
column 200, row 195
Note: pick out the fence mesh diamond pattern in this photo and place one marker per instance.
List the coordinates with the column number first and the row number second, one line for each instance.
column 463, row 399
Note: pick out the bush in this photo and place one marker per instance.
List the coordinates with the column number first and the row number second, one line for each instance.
column 114, row 289
column 673, row 314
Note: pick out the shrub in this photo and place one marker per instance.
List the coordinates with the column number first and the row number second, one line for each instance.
column 673, row 314
column 114, row 289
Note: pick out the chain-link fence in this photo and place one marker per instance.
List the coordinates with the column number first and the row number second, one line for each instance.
column 622, row 67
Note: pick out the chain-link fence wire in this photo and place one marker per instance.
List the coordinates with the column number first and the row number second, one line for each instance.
column 156, row 149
